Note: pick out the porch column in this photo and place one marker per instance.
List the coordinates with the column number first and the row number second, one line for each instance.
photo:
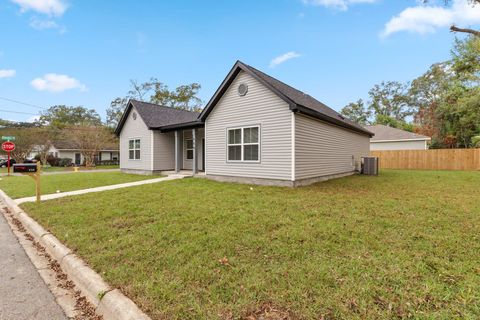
column 177, row 151
column 194, row 140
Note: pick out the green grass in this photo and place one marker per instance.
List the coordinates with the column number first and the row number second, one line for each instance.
column 404, row 244
column 24, row 186
column 58, row 169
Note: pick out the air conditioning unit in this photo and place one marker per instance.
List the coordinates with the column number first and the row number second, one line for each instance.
column 370, row 166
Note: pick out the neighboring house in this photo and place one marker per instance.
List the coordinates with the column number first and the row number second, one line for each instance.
column 254, row 129
column 388, row 138
column 68, row 149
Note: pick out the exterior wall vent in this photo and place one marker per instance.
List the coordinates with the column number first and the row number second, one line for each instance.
column 242, row 89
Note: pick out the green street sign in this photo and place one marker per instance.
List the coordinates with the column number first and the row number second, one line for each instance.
column 8, row 138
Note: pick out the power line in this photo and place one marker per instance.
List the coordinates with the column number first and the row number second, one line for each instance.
column 19, row 112
column 24, row 103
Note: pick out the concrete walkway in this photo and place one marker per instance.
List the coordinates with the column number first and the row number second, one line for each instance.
column 23, row 294
column 103, row 188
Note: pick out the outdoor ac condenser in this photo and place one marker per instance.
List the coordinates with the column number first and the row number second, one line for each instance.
column 370, row 166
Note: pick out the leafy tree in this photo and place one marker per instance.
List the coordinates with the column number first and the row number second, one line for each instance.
column 61, row 116
column 16, row 124
column 426, row 95
column 184, row 97
column 466, row 60
column 390, row 101
column 357, row 112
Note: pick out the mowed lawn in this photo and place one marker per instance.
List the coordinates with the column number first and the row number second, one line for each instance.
column 404, row 244
column 66, row 169
column 24, row 186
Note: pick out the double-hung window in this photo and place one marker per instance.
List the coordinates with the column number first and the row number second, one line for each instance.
column 189, row 148
column 134, row 149
column 243, row 144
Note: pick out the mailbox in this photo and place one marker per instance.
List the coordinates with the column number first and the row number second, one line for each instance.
column 25, row 167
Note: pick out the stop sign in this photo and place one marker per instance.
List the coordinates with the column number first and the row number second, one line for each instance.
column 8, row 146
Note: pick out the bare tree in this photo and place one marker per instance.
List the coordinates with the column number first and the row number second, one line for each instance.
column 43, row 137
column 90, row 140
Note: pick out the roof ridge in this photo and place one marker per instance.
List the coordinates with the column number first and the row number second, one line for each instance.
column 162, row 106
column 330, row 112
column 286, row 84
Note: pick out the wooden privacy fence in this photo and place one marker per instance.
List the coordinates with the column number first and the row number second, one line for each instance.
column 435, row 159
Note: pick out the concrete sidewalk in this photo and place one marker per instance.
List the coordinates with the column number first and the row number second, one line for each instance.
column 23, row 293
column 99, row 189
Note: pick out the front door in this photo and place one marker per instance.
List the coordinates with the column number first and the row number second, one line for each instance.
column 77, row 159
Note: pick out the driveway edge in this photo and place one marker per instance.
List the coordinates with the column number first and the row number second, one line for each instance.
column 109, row 302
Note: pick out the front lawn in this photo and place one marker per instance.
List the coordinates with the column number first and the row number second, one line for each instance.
column 24, row 186
column 404, row 244
column 66, row 169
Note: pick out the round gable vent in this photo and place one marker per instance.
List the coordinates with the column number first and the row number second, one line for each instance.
column 242, row 89
column 134, row 116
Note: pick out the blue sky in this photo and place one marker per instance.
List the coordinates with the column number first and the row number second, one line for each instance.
column 84, row 52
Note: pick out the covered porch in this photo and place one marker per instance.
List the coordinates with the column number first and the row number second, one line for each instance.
column 189, row 149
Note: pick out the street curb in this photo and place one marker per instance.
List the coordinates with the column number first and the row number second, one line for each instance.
column 109, row 302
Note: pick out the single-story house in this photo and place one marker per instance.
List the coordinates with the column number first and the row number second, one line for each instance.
column 255, row 129
column 388, row 138
column 68, row 149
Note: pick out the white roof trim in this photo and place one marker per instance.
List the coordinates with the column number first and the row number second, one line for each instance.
column 401, row 140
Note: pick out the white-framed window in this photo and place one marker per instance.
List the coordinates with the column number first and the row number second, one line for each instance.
column 243, row 144
column 134, row 149
column 189, row 148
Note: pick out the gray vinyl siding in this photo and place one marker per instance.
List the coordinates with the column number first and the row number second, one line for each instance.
column 163, row 150
column 399, row 145
column 136, row 129
column 322, row 149
column 259, row 106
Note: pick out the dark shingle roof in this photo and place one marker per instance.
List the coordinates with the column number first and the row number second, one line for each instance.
column 156, row 116
column 388, row 133
column 297, row 100
column 303, row 99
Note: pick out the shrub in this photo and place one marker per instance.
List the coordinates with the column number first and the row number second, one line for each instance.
column 53, row 161
column 476, row 141
column 65, row 162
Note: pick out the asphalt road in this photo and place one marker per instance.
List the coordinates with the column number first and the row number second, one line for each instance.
column 23, row 294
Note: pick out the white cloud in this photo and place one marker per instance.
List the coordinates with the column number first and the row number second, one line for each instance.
column 284, row 57
column 336, row 4
column 427, row 19
column 7, row 73
column 50, row 7
column 46, row 24
column 53, row 82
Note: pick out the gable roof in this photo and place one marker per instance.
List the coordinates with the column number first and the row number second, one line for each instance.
column 297, row 100
column 156, row 116
column 386, row 133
